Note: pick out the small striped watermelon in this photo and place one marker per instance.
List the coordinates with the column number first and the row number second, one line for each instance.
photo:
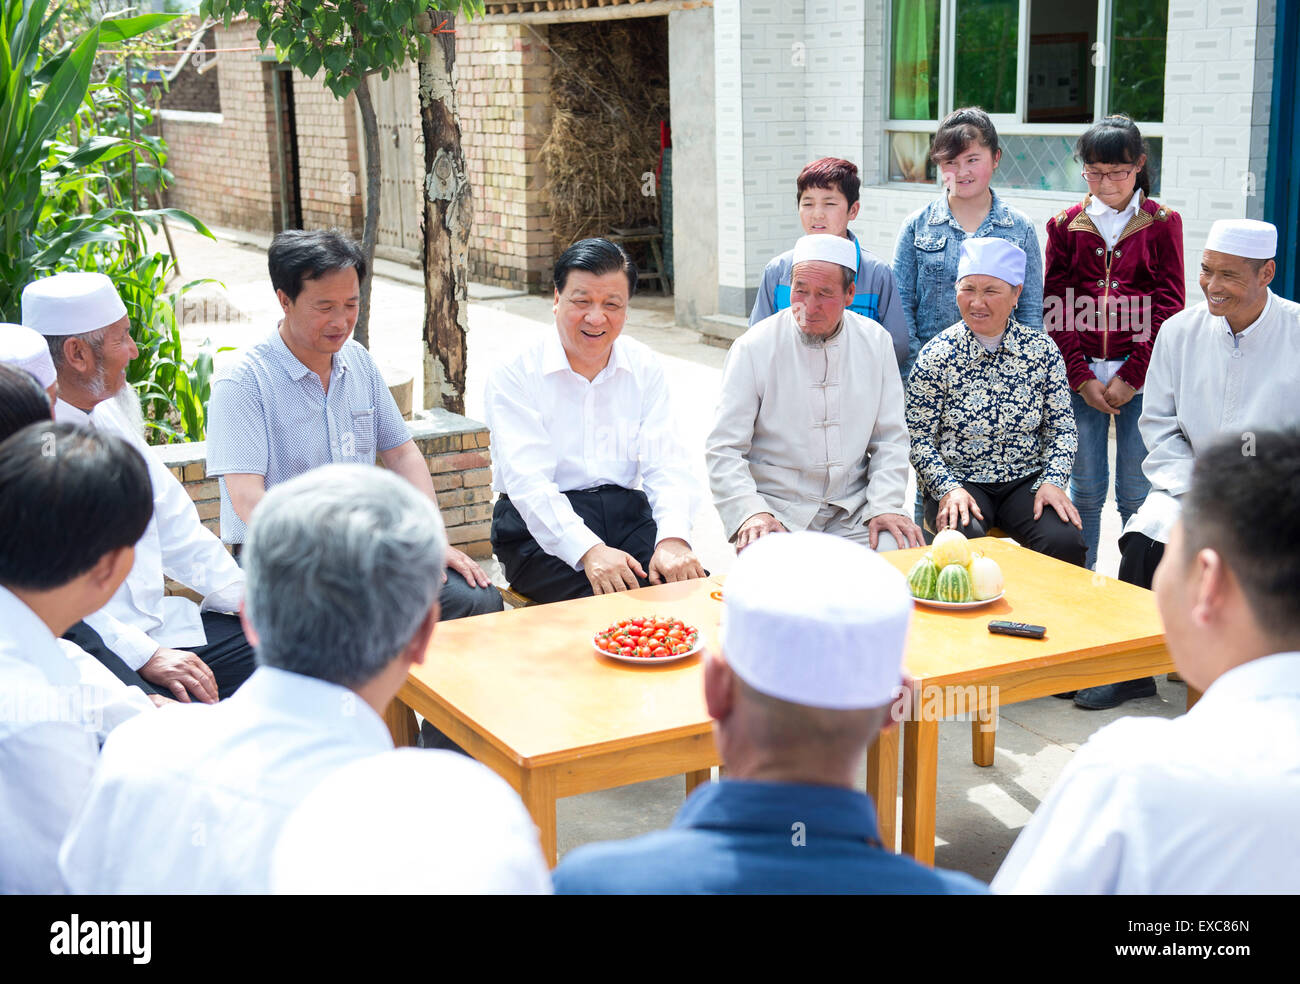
column 923, row 578
column 953, row 584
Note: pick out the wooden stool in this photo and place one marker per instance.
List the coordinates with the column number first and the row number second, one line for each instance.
column 653, row 238
column 514, row 599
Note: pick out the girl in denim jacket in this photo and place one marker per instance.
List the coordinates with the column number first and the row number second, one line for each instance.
column 929, row 245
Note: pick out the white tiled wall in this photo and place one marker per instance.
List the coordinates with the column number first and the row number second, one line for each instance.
column 774, row 115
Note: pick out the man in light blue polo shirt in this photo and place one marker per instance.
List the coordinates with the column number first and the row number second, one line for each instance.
column 309, row 395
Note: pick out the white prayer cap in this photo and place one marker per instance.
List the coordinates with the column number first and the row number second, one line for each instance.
column 71, row 304
column 23, row 348
column 409, row 821
column 828, row 249
column 816, row 620
column 1250, row 238
column 993, row 257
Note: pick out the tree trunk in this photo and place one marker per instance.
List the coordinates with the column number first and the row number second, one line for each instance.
column 448, row 212
column 370, row 227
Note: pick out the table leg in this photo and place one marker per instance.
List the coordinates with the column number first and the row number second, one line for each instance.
column 537, row 790
column 694, row 779
column 920, row 775
column 401, row 724
column 882, row 784
column 982, row 738
column 1193, row 695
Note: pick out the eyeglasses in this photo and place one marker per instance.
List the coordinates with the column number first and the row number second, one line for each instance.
column 1119, row 174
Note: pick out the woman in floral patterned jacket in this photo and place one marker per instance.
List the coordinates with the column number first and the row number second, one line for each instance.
column 988, row 408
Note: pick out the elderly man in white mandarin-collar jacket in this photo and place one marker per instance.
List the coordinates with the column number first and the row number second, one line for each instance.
column 165, row 644
column 810, row 431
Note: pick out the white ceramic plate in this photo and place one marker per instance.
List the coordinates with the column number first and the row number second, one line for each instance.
column 643, row 660
column 957, row 606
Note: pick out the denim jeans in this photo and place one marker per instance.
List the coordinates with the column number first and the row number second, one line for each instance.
column 1091, row 475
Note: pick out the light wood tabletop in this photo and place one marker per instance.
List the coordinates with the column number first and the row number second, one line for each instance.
column 525, row 692
column 1099, row 630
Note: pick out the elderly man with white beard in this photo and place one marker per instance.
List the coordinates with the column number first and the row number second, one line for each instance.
column 810, row 431
column 165, row 645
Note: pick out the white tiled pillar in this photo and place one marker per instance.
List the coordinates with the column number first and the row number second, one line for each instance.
column 789, row 90
column 1211, row 106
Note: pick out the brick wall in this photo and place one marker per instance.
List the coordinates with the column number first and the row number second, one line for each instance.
column 191, row 90
column 503, row 82
column 330, row 178
column 225, row 166
column 460, row 464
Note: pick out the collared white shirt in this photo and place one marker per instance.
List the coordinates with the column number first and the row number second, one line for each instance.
column 270, row 416
column 1110, row 222
column 465, row 832
column 56, row 706
column 1205, row 803
column 554, row 432
column 140, row 619
column 1204, row 382
column 191, row 799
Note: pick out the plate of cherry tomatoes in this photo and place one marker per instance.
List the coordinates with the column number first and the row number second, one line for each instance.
column 655, row 639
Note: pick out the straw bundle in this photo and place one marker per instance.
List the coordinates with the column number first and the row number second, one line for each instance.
column 609, row 90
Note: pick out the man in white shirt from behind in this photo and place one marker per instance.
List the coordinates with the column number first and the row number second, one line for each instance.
column 165, row 644
column 57, row 563
column 596, row 492
column 345, row 566
column 480, row 841
column 1205, row 803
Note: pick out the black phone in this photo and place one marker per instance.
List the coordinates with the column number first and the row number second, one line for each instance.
column 1017, row 629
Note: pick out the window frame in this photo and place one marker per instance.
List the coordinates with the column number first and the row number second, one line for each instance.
column 1011, row 125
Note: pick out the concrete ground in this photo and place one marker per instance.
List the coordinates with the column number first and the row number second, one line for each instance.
column 980, row 810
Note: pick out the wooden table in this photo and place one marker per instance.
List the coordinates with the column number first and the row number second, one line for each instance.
column 1099, row 631
column 525, row 693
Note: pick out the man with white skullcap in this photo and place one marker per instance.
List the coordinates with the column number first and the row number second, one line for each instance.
column 1229, row 365
column 809, row 432
column 809, row 670
column 166, row 645
column 988, row 407
column 25, row 349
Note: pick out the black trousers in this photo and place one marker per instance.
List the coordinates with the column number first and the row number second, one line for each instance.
column 620, row 517
column 1139, row 557
column 1010, row 506
column 228, row 654
column 458, row 598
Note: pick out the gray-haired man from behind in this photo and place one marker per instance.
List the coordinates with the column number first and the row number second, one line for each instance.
column 344, row 568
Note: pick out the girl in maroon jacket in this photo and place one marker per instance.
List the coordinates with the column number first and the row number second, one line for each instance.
column 1114, row 273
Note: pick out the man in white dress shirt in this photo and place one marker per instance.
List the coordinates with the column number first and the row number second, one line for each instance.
column 596, row 492
column 1229, row 365
column 1207, row 802
column 481, row 841
column 811, row 432
column 57, row 564
column 165, row 644
column 345, row 566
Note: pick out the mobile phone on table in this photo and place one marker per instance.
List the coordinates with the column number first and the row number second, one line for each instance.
column 1000, row 627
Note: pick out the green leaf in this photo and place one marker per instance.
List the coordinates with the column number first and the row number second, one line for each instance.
column 311, row 63
column 120, row 28
column 98, row 149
